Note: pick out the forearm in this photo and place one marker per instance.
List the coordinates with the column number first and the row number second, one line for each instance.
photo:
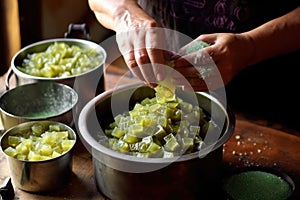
column 119, row 15
column 276, row 37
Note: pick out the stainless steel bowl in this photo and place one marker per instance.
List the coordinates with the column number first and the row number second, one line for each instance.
column 39, row 176
column 38, row 101
column 87, row 85
column 120, row 176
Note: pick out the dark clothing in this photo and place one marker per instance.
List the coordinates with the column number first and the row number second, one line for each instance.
column 268, row 89
column 196, row 17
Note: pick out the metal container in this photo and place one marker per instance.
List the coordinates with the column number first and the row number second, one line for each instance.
column 260, row 182
column 38, row 101
column 87, row 85
column 120, row 176
column 39, row 176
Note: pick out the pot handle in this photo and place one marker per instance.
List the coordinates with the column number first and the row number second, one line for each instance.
column 7, row 78
column 75, row 30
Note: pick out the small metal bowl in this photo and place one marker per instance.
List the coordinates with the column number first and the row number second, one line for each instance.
column 39, row 176
column 38, row 101
column 41, row 46
column 258, row 182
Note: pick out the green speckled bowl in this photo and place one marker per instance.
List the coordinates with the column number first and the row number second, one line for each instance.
column 37, row 101
column 255, row 183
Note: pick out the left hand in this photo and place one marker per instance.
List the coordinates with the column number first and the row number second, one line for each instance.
column 216, row 65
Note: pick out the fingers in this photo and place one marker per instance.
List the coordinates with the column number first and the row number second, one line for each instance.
column 199, row 58
column 197, row 66
column 196, row 52
column 157, row 57
column 132, row 65
column 142, row 58
column 156, row 48
column 196, row 82
column 193, row 47
column 143, row 53
column 144, row 65
column 189, row 81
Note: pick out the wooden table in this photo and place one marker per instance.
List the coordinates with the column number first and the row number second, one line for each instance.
column 254, row 142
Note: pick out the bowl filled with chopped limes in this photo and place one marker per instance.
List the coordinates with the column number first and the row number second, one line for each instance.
column 59, row 59
column 39, row 154
column 150, row 143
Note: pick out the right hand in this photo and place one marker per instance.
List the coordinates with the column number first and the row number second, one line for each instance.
column 140, row 38
column 142, row 44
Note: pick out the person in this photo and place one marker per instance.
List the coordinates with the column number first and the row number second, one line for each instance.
column 254, row 44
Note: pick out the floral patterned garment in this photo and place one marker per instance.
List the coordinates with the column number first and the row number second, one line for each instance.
column 195, row 17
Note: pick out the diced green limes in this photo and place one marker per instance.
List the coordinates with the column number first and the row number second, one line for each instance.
column 13, row 140
column 67, row 144
column 117, row 132
column 160, row 127
column 10, row 151
column 196, row 46
column 37, row 129
column 61, row 60
column 42, row 143
column 130, row 138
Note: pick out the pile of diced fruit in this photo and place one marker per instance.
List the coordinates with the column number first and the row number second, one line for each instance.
column 164, row 126
column 61, row 60
column 40, row 143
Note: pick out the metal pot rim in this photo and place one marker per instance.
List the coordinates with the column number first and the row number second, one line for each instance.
column 50, row 41
column 30, row 123
column 92, row 144
column 35, row 84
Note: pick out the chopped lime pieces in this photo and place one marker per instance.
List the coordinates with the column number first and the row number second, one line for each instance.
column 117, row 132
column 37, row 129
column 55, row 154
column 13, row 140
column 164, row 94
column 130, row 138
column 42, row 143
column 196, row 46
column 61, row 60
column 161, row 126
column 10, row 151
column 67, row 144
column 45, row 150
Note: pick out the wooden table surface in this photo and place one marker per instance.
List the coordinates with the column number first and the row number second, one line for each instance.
column 254, row 142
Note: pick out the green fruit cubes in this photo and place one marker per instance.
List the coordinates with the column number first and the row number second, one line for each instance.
column 39, row 144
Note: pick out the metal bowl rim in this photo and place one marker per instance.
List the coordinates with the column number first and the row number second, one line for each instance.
column 50, row 41
column 87, row 138
column 7, row 132
column 35, row 118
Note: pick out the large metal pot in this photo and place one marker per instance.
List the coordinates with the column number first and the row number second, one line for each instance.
column 87, row 84
column 120, row 176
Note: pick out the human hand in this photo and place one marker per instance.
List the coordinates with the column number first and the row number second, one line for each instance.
column 142, row 45
column 214, row 66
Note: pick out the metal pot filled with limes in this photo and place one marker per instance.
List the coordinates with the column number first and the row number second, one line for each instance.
column 151, row 143
column 39, row 155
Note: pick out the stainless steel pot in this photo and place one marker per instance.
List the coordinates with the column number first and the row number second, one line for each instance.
column 37, row 101
column 120, row 176
column 87, row 84
column 39, row 176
